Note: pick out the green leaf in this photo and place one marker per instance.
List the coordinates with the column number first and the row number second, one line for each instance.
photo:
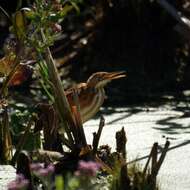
column 59, row 183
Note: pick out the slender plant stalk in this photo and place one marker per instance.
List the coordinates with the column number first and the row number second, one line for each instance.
column 162, row 157
column 97, row 135
column 60, row 97
column 154, row 164
column 149, row 159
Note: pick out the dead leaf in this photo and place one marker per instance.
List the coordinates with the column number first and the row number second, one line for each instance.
column 22, row 74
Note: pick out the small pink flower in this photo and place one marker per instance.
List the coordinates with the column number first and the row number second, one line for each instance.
column 36, row 166
column 50, row 168
column 40, row 170
column 19, row 183
column 87, row 168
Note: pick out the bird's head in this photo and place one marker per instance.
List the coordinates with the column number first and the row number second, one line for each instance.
column 100, row 79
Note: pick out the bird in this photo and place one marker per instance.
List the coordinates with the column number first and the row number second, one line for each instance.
column 91, row 95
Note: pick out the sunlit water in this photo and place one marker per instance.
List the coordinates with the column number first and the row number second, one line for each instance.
column 144, row 126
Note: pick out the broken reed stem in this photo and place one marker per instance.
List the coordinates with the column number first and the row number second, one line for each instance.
column 154, row 157
column 78, row 119
column 121, row 141
column 124, row 181
column 157, row 164
column 22, row 141
column 154, row 164
column 97, row 135
column 70, row 140
column 60, row 97
column 162, row 157
column 148, row 161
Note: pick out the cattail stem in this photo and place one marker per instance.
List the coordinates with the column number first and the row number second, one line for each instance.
column 60, row 97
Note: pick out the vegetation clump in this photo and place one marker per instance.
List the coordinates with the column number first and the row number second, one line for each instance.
column 56, row 154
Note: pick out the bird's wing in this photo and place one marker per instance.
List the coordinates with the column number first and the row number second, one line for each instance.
column 84, row 94
column 89, row 99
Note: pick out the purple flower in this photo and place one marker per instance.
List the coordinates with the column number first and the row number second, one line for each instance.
column 50, row 168
column 87, row 168
column 36, row 166
column 40, row 170
column 19, row 183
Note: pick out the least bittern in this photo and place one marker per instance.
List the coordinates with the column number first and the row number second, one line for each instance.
column 91, row 94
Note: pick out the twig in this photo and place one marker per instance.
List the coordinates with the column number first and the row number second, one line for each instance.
column 148, row 161
column 162, row 157
column 154, row 164
column 154, row 157
column 98, row 134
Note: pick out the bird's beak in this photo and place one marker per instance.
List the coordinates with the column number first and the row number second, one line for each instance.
column 115, row 75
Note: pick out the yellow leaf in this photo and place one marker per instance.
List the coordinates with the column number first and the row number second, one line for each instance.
column 6, row 64
column 20, row 24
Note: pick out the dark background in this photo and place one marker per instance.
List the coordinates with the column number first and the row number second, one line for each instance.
column 136, row 36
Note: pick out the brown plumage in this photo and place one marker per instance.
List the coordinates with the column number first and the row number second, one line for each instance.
column 91, row 94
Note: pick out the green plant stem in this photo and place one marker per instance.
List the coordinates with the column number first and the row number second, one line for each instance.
column 60, row 97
